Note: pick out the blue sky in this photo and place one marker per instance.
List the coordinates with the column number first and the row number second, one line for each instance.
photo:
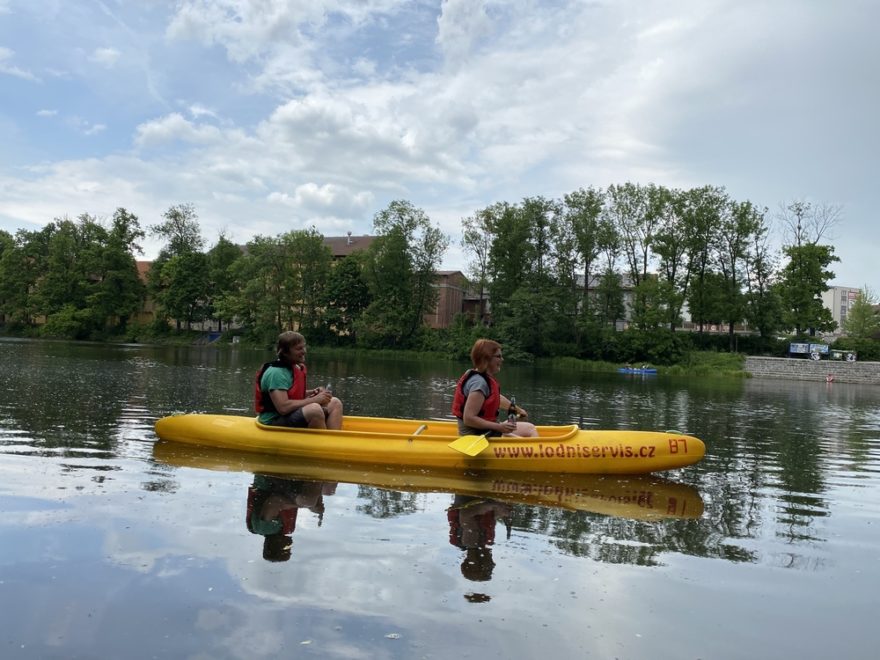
column 273, row 115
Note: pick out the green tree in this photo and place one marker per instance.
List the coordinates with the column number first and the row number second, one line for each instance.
column 21, row 263
column 805, row 277
column 671, row 247
column 763, row 306
column 178, row 279
column 346, row 296
column 509, row 263
column 862, row 320
column 701, row 212
column 119, row 293
column 477, row 238
column 221, row 278
column 741, row 221
column 401, row 267
column 184, row 284
column 308, row 269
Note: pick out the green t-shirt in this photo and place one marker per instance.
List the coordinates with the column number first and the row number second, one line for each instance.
column 274, row 378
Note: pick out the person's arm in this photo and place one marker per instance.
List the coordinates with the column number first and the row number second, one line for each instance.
column 285, row 406
column 505, row 406
column 471, row 415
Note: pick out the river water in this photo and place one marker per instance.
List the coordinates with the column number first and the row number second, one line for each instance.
column 114, row 545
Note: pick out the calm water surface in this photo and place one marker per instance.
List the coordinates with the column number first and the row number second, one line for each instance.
column 116, row 546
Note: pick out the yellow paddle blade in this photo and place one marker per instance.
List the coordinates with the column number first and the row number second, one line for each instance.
column 470, row 444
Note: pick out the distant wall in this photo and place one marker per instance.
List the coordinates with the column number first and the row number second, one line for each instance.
column 817, row 370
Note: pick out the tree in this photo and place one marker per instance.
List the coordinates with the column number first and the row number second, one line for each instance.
column 119, row 293
column 582, row 230
column 346, row 296
column 400, row 271
column 21, row 263
column 671, row 247
column 862, row 320
column 308, row 269
column 477, row 238
column 221, row 280
column 738, row 225
column 179, row 279
column 184, row 284
column 763, row 306
column 804, row 278
column 701, row 212
column 180, row 230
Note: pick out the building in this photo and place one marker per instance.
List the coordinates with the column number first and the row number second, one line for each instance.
column 840, row 299
column 451, row 288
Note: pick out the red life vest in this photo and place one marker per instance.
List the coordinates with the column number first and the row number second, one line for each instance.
column 485, row 524
column 489, row 411
column 262, row 400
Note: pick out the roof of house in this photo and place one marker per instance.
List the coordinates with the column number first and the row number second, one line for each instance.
column 342, row 246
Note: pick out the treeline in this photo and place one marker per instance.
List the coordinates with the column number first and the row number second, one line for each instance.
column 555, row 277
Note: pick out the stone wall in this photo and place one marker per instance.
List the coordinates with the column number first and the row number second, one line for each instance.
column 816, row 370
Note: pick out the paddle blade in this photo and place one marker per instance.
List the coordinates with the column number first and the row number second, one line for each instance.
column 470, row 444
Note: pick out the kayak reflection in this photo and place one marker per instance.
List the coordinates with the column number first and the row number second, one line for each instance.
column 638, row 497
column 273, row 505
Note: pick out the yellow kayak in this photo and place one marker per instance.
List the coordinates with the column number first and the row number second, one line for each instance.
column 639, row 497
column 425, row 443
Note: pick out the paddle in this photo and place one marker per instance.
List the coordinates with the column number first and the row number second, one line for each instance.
column 423, row 427
column 470, row 444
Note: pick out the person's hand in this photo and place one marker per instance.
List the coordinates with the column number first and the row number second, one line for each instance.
column 322, row 396
column 521, row 412
column 507, row 427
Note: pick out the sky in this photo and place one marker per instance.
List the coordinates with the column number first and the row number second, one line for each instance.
column 275, row 115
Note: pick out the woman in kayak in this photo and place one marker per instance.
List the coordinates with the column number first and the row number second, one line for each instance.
column 280, row 394
column 478, row 397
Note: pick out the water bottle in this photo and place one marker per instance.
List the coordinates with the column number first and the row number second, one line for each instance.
column 511, row 411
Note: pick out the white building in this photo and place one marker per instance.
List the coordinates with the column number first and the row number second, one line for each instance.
column 839, row 299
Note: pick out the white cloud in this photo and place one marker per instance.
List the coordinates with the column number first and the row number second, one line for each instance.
column 245, row 29
column 328, row 199
column 174, row 128
column 462, row 26
column 106, row 57
column 46, row 113
column 198, row 111
column 12, row 70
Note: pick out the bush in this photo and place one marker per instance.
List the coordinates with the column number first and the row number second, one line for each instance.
column 866, row 349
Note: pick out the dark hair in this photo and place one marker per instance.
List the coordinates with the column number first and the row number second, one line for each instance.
column 482, row 352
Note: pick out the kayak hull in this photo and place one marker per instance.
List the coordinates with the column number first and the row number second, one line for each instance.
column 559, row 449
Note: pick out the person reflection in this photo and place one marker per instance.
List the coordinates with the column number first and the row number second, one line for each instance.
column 472, row 528
column 272, row 507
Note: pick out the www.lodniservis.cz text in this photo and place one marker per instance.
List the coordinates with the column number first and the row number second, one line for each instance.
column 676, row 445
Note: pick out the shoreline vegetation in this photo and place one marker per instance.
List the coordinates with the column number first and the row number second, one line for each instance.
column 704, row 363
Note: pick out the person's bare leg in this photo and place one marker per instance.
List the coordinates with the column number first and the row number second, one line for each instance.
column 334, row 414
column 314, row 416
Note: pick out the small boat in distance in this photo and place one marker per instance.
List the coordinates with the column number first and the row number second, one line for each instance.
column 644, row 369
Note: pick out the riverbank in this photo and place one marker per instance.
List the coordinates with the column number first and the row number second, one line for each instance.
column 813, row 370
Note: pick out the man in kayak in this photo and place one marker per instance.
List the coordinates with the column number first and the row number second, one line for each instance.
column 280, row 395
column 478, row 398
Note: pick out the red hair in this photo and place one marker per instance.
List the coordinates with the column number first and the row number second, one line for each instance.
column 482, row 352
